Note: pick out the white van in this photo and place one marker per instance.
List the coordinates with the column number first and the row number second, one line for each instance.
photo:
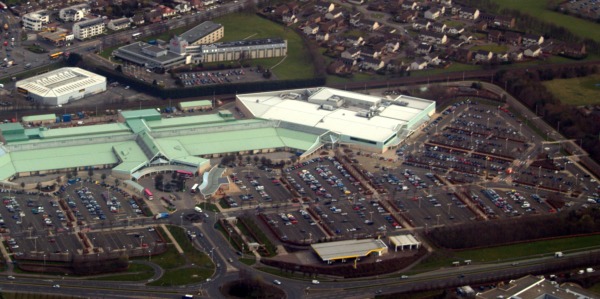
column 198, row 209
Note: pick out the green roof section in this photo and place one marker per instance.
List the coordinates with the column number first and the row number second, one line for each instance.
column 40, row 117
column 178, row 122
column 63, row 157
column 12, row 129
column 6, row 167
column 84, row 131
column 147, row 144
column 145, row 114
column 137, row 125
column 192, row 104
column 296, row 139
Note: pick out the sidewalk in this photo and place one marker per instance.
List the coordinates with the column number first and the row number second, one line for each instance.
column 172, row 239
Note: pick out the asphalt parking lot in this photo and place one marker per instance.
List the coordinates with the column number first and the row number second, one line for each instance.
column 129, row 239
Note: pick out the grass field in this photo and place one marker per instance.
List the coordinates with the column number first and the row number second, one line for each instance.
column 538, row 9
column 576, row 91
column 492, row 48
column 135, row 272
column 507, row 253
column 182, row 276
column 454, row 23
column 250, row 26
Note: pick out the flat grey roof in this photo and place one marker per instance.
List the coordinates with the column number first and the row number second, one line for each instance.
column 348, row 249
column 200, row 31
column 135, row 49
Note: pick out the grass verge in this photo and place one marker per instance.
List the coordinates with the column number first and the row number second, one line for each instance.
column 182, row 276
column 191, row 253
column 135, row 272
column 248, row 261
column 507, row 253
column 576, row 91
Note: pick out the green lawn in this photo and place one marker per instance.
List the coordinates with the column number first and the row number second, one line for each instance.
column 135, row 272
column 170, row 259
column 248, row 261
column 454, row 67
column 595, row 288
column 182, row 276
column 193, row 255
column 576, row 91
column 250, row 26
column 538, row 9
column 492, row 48
column 454, row 23
column 507, row 253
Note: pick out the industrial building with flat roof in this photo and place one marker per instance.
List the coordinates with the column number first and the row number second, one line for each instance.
column 349, row 249
column 149, row 55
column 61, row 86
column 362, row 121
column 206, row 33
column 142, row 142
column 249, row 49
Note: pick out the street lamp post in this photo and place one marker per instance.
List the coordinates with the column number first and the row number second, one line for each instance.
column 438, row 219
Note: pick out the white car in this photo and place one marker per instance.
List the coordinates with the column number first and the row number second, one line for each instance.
column 277, row 282
column 56, row 286
column 315, row 281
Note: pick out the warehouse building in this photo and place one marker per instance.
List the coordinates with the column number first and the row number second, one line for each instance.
column 349, row 250
column 206, row 33
column 361, row 121
column 248, row 49
column 62, row 86
column 142, row 143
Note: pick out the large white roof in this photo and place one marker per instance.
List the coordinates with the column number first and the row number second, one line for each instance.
column 60, row 81
column 346, row 121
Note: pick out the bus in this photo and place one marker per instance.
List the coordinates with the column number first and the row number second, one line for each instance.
column 136, row 35
column 148, row 194
column 194, row 188
column 186, row 174
column 55, row 55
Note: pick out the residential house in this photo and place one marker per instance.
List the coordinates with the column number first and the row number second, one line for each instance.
column 455, row 30
column 418, row 64
column 183, row 7
column 370, row 63
column 314, row 18
column 351, row 53
column 410, row 5
column 167, row 12
column 354, row 16
column 357, row 2
column 532, row 39
column 289, row 18
column 369, row 24
column 432, row 59
column 324, row 6
column 487, row 17
column 355, row 41
column 469, row 13
column 504, row 22
column 502, row 57
column 153, row 16
column 369, row 52
column 532, row 51
column 480, row 26
column 438, row 27
column 339, row 67
column 138, row 19
column 424, row 49
column 576, row 50
column 281, row 10
column 483, row 56
column 463, row 55
column 380, row 48
column 495, row 36
column 433, row 13
column 516, row 56
column 322, row 36
column 339, row 22
column 392, row 46
column 405, row 17
column 336, row 13
column 74, row 13
column 119, row 24
column 433, row 37
column 311, row 29
column 348, row 62
column 512, row 38
column 327, row 26
column 421, row 24
column 294, row 7
column 377, row 6
column 88, row 28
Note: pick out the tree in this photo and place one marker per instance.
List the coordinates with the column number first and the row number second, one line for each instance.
column 74, row 59
column 119, row 68
column 154, row 82
column 256, row 159
column 23, row 185
column 103, row 177
column 90, row 172
column 158, row 180
column 117, row 182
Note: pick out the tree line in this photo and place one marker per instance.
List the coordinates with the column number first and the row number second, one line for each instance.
column 468, row 235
